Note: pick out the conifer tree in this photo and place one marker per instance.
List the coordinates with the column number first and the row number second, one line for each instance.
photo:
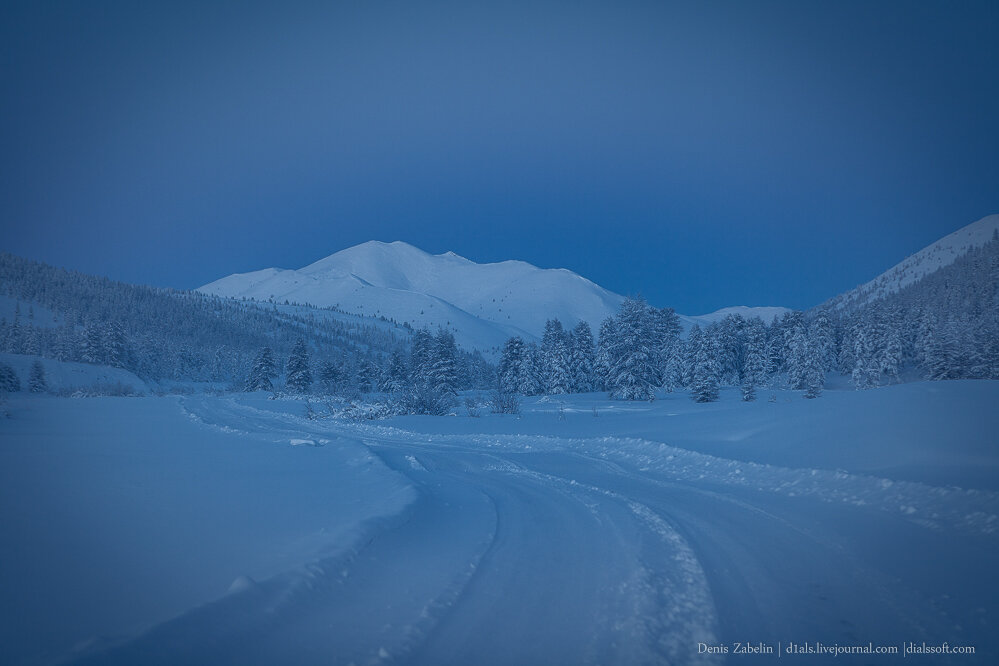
column 445, row 368
column 632, row 370
column 582, row 358
column 395, row 373
column 866, row 369
column 299, row 376
column 754, row 371
column 666, row 336
column 36, row 378
column 555, row 359
column 262, row 371
column 814, row 373
column 512, row 368
column 93, row 345
column 116, row 349
column 602, row 360
column 706, row 373
column 330, row 376
column 796, row 357
column 824, row 334
column 890, row 357
column 9, row 381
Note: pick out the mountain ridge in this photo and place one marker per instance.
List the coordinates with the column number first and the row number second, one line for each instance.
column 942, row 252
column 484, row 304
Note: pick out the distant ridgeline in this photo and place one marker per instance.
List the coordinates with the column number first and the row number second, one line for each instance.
column 944, row 325
column 165, row 334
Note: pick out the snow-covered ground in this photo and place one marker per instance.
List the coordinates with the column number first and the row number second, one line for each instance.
column 121, row 513
column 68, row 376
column 581, row 531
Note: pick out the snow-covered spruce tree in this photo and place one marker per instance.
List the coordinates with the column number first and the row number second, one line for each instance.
column 32, row 344
column 632, row 360
column 299, row 377
column 395, row 377
column 36, row 378
column 509, row 378
column 582, row 358
column 986, row 339
column 814, row 372
column 481, row 373
column 329, row 376
column 9, row 382
column 434, row 374
column 754, row 370
column 366, row 374
column 512, row 367
column 823, row 332
column 891, row 351
column 93, row 350
column 730, row 332
column 555, row 359
column 665, row 346
column 796, row 354
column 845, row 362
column 533, row 370
column 64, row 343
column 445, row 370
column 706, row 373
column 866, row 370
column 421, row 351
column 116, row 347
column 262, row 371
column 602, row 360
column 673, row 371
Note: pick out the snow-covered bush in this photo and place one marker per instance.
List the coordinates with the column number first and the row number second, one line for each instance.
column 504, row 402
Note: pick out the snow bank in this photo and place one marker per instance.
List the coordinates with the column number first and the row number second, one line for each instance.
column 63, row 376
column 120, row 513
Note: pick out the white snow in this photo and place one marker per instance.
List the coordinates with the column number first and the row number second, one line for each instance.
column 543, row 537
column 72, row 376
column 484, row 304
column 765, row 313
column 917, row 266
column 27, row 312
column 121, row 513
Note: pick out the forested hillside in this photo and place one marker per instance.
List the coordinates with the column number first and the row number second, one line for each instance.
column 164, row 334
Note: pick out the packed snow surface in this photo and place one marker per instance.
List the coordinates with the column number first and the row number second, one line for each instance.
column 582, row 531
column 484, row 304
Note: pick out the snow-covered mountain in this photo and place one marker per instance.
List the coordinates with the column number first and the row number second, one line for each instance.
column 766, row 313
column 483, row 304
column 930, row 259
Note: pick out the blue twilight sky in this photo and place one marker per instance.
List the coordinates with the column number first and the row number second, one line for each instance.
column 703, row 154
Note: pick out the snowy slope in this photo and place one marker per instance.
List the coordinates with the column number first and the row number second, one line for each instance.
column 71, row 376
column 27, row 313
column 543, row 539
column 483, row 303
column 766, row 313
column 928, row 260
column 121, row 513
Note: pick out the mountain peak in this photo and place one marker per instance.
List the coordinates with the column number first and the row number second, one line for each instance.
column 483, row 303
column 930, row 259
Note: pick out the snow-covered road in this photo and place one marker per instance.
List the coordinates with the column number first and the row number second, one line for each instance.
column 531, row 549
